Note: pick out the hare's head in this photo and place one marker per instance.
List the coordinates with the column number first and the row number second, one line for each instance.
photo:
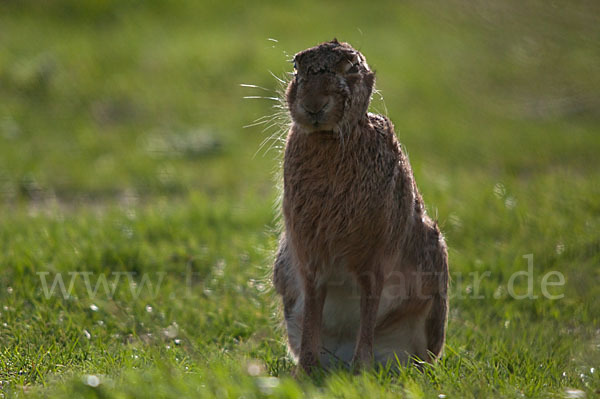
column 331, row 87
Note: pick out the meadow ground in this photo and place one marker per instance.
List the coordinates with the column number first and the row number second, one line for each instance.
column 126, row 172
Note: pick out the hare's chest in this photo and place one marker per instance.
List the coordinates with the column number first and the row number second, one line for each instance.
column 322, row 186
column 331, row 197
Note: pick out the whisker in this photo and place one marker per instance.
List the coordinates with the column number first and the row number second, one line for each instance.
column 260, row 97
column 274, row 138
column 262, row 119
column 256, row 87
column 274, row 144
column 278, row 78
column 271, row 125
column 266, row 119
column 275, row 125
column 253, row 124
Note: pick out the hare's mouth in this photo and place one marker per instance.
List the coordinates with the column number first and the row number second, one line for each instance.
column 317, row 126
column 317, row 115
column 314, row 117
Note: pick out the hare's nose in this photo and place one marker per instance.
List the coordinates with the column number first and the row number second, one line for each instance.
column 315, row 109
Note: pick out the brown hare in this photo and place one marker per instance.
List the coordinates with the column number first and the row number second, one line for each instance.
column 361, row 269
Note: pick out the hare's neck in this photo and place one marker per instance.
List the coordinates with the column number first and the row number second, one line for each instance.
column 351, row 130
column 324, row 147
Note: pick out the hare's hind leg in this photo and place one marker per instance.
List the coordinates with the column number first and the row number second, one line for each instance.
column 371, row 285
column 283, row 274
column 287, row 285
column 435, row 325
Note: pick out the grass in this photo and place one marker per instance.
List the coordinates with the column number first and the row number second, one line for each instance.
column 123, row 160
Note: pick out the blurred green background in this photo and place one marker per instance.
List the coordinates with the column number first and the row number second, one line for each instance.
column 123, row 147
column 100, row 97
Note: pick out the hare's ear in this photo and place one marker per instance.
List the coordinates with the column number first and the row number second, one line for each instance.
column 370, row 80
column 335, row 41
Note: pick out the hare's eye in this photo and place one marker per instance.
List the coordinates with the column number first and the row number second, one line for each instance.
column 352, row 68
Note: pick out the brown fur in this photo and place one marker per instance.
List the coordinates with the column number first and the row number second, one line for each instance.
column 351, row 208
